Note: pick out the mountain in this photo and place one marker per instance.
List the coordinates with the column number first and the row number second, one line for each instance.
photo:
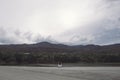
column 47, row 44
column 50, row 47
column 45, row 52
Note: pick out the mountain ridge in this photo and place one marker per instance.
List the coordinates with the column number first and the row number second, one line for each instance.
column 51, row 47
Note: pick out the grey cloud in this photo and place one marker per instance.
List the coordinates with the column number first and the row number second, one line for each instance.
column 5, row 36
column 100, row 37
column 112, row 0
column 8, row 36
column 108, row 36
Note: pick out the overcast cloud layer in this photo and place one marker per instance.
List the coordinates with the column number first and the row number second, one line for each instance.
column 63, row 21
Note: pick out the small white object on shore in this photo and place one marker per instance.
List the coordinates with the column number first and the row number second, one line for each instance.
column 59, row 65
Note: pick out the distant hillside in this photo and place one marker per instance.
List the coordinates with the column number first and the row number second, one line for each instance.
column 49, row 47
column 45, row 52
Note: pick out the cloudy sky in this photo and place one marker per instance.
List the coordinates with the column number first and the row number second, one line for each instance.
column 63, row 21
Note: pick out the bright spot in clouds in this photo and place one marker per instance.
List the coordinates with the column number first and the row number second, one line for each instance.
column 62, row 18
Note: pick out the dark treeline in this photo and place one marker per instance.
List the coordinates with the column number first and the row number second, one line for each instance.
column 53, row 53
column 25, row 58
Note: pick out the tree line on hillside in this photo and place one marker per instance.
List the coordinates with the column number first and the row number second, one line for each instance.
column 45, row 52
column 32, row 58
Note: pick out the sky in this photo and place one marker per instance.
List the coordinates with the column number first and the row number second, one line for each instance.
column 71, row 22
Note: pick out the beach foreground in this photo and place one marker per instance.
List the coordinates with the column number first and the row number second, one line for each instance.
column 55, row 73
